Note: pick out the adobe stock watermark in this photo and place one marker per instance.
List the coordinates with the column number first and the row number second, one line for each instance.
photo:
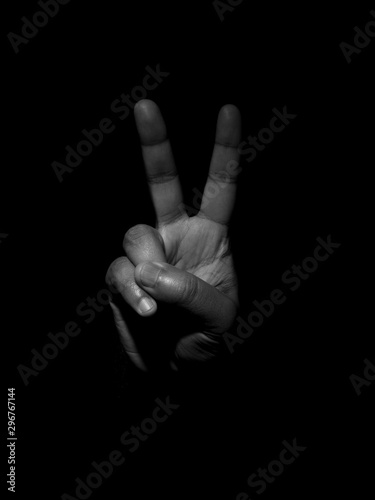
column 368, row 377
column 121, row 108
column 266, row 135
column 201, row 202
column 30, row 28
column 277, row 124
column 361, row 39
column 267, row 475
column 292, row 278
column 222, row 7
column 132, row 440
column 58, row 342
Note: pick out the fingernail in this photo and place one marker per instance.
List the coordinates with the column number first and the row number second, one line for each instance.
column 146, row 305
column 149, row 274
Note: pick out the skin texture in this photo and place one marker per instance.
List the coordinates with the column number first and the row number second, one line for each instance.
column 183, row 268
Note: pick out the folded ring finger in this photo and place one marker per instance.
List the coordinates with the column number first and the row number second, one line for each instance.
column 121, row 276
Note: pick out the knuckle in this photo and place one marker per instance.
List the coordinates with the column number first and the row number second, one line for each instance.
column 115, row 271
column 222, row 177
column 189, row 289
column 160, row 177
column 135, row 234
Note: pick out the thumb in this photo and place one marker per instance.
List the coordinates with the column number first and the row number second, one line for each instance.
column 169, row 284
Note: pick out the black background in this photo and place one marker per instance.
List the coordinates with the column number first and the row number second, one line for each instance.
column 291, row 378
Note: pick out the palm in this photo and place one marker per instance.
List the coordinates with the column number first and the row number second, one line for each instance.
column 201, row 247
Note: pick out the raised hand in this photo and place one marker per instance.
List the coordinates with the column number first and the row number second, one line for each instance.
column 184, row 265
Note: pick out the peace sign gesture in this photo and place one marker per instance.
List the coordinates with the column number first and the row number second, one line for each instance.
column 185, row 263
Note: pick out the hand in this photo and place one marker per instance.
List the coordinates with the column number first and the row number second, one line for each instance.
column 184, row 265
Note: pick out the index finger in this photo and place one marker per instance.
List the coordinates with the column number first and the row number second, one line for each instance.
column 157, row 153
